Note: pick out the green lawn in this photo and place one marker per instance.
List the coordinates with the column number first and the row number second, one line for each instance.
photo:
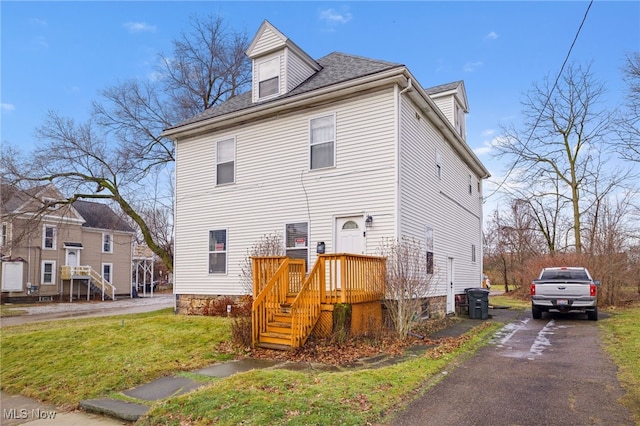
column 622, row 337
column 63, row 362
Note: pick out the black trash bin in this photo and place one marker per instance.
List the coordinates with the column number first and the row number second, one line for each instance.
column 478, row 299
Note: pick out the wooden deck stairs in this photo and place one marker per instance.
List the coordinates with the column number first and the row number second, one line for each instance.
column 288, row 302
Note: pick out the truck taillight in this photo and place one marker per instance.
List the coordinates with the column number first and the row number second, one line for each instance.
column 593, row 290
column 533, row 289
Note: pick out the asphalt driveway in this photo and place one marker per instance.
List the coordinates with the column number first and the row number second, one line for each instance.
column 552, row 371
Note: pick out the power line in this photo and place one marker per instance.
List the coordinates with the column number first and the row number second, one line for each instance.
column 544, row 107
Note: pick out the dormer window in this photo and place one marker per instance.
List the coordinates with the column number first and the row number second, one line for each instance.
column 269, row 78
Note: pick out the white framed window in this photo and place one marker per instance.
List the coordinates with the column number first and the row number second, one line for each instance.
column 438, row 165
column 428, row 235
column 225, row 161
column 107, row 271
column 297, row 241
column 218, row 251
column 49, row 234
column 322, row 142
column 107, row 243
column 4, row 234
column 48, row 276
column 473, row 253
column 470, row 187
column 269, row 78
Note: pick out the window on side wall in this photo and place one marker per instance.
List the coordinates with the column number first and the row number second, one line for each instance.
column 470, row 187
column 297, row 241
column 225, row 161
column 429, row 249
column 438, row 165
column 269, row 78
column 49, row 237
column 4, row 234
column 218, row 251
column 107, row 271
column 322, row 141
column 473, row 252
column 107, row 243
column 48, row 272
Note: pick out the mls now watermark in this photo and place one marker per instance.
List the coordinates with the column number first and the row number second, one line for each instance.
column 24, row 414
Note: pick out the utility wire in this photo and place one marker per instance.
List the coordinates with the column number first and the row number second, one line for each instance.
column 555, row 84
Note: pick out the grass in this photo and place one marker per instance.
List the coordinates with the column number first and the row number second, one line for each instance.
column 622, row 337
column 63, row 362
column 503, row 300
column 10, row 311
column 278, row 397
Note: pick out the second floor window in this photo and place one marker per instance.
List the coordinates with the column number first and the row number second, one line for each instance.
column 322, row 141
column 107, row 244
column 49, row 237
column 225, row 161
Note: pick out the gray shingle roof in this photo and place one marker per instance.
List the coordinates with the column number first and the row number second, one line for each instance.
column 443, row 87
column 336, row 68
column 97, row 215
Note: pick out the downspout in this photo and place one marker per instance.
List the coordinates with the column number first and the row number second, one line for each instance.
column 399, row 152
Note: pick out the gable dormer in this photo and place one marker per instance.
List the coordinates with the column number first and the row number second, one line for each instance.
column 451, row 99
column 278, row 64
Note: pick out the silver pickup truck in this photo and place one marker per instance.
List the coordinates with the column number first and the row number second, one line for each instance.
column 564, row 289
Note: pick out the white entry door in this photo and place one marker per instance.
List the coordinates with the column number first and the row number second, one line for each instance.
column 350, row 234
column 72, row 257
column 450, row 288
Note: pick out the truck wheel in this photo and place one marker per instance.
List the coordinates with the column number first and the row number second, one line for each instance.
column 536, row 312
column 593, row 315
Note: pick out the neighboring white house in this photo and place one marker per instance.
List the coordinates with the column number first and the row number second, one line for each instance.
column 345, row 151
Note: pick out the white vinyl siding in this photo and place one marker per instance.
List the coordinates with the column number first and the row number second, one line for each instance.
column 274, row 186
column 296, row 71
column 269, row 40
column 441, row 203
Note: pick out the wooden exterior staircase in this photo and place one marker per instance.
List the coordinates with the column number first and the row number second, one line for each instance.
column 287, row 302
column 97, row 283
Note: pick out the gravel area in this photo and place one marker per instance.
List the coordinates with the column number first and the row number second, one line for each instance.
column 78, row 306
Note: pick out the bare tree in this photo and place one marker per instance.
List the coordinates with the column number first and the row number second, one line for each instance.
column 116, row 154
column 268, row 245
column 408, row 284
column 629, row 125
column 562, row 139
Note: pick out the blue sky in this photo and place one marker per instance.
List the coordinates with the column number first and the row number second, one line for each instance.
column 59, row 55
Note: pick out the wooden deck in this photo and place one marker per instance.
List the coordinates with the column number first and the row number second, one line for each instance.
column 287, row 302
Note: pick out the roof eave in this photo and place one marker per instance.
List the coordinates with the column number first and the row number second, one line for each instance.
column 396, row 75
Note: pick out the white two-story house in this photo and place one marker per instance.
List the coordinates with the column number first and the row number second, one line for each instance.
column 342, row 151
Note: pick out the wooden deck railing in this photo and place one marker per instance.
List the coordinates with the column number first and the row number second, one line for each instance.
column 352, row 278
column 280, row 281
column 335, row 278
column 68, row 272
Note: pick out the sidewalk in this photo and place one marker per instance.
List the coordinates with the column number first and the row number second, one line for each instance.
column 170, row 386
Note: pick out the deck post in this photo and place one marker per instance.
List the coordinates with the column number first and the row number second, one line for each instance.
column 343, row 278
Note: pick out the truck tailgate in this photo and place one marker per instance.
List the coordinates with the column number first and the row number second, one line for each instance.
column 562, row 289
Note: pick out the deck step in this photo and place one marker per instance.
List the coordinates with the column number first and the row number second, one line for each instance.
column 276, row 338
column 284, row 318
column 274, row 346
column 279, row 327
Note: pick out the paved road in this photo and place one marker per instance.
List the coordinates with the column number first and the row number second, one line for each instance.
column 535, row 372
